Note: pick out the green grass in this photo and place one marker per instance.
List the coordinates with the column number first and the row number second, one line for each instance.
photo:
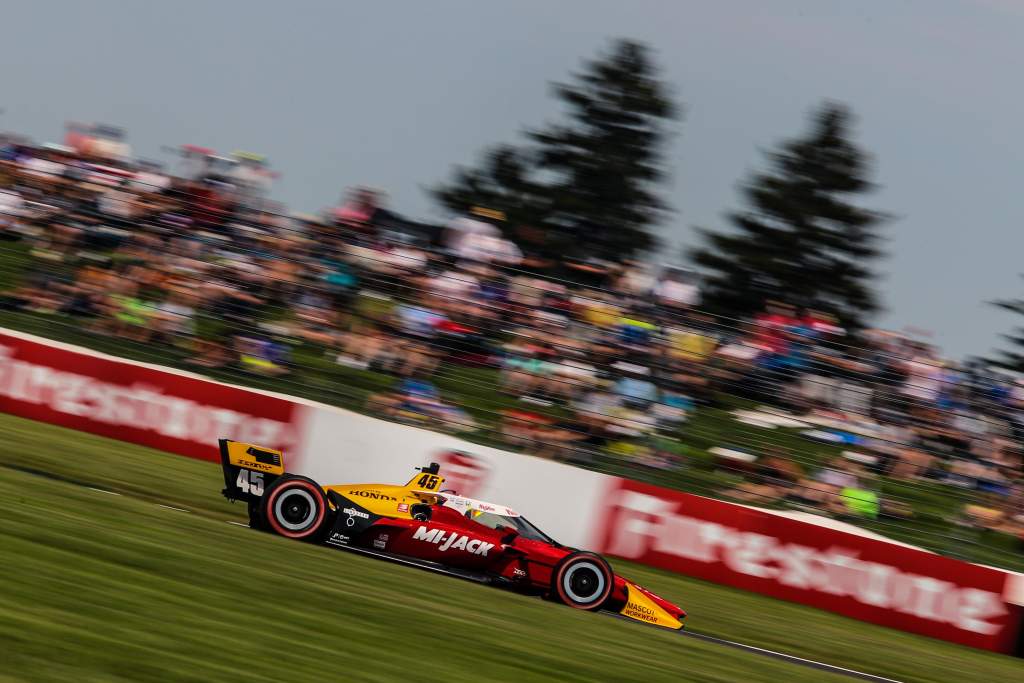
column 98, row 587
column 14, row 260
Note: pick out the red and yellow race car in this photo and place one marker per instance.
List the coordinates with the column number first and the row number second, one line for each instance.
column 422, row 524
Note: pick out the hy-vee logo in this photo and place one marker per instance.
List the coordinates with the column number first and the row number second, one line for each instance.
column 454, row 541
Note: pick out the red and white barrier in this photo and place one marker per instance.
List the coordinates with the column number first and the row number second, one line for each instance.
column 851, row 574
column 143, row 404
column 864, row 578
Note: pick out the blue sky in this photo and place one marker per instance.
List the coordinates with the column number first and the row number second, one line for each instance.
column 392, row 94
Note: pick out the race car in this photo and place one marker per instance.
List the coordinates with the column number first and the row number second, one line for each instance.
column 423, row 524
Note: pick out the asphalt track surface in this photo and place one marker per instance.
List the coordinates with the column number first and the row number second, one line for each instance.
column 751, row 649
column 800, row 661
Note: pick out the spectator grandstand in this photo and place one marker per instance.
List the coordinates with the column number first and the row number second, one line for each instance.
column 461, row 328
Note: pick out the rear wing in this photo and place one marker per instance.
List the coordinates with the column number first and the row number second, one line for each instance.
column 248, row 469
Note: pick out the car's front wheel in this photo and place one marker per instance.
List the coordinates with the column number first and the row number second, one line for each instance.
column 583, row 580
column 295, row 507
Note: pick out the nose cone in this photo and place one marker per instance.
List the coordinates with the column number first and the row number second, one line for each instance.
column 643, row 605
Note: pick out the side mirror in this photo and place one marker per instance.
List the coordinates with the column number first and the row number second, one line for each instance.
column 509, row 535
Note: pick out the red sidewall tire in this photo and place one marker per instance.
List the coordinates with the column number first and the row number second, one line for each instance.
column 309, row 491
column 583, row 561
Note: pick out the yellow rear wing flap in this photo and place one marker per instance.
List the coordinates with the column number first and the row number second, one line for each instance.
column 248, row 469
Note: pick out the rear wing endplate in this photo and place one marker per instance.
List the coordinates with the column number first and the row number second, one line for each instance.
column 248, row 469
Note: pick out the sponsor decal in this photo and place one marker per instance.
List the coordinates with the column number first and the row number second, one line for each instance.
column 375, row 495
column 351, row 514
column 108, row 396
column 452, row 540
column 254, row 465
column 381, row 541
column 803, row 562
column 340, row 538
column 403, row 507
column 638, row 611
column 518, row 573
column 463, row 472
column 639, row 606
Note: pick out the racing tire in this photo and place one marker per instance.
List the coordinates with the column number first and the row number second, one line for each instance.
column 295, row 507
column 583, row 580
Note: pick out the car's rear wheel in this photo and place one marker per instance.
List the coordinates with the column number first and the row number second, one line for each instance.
column 295, row 507
column 583, row 580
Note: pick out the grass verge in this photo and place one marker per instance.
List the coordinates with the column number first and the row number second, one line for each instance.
column 116, row 588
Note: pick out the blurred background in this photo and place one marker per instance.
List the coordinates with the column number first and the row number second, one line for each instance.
column 766, row 253
column 692, row 255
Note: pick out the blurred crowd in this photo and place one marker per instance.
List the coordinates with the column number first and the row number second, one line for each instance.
column 591, row 360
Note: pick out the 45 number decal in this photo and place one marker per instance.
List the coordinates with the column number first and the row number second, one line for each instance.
column 428, row 482
column 250, row 482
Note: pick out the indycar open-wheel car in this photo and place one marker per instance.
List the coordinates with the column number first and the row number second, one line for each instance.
column 419, row 523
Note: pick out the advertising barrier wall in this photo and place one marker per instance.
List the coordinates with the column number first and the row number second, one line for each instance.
column 147, row 405
column 864, row 578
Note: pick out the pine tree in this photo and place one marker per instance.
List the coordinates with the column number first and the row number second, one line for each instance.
column 607, row 160
column 1012, row 359
column 590, row 183
column 801, row 240
column 503, row 182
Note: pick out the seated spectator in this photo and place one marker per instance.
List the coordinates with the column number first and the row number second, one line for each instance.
column 543, row 436
column 676, row 291
column 634, row 386
column 314, row 320
column 774, row 477
column 260, row 355
column 634, row 280
column 486, row 247
column 597, row 408
column 128, row 315
column 643, row 454
column 415, row 351
column 462, row 232
column 363, row 345
column 833, row 488
column 689, row 344
column 357, row 212
column 12, row 209
column 672, row 410
column 635, row 336
column 417, row 400
column 174, row 318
